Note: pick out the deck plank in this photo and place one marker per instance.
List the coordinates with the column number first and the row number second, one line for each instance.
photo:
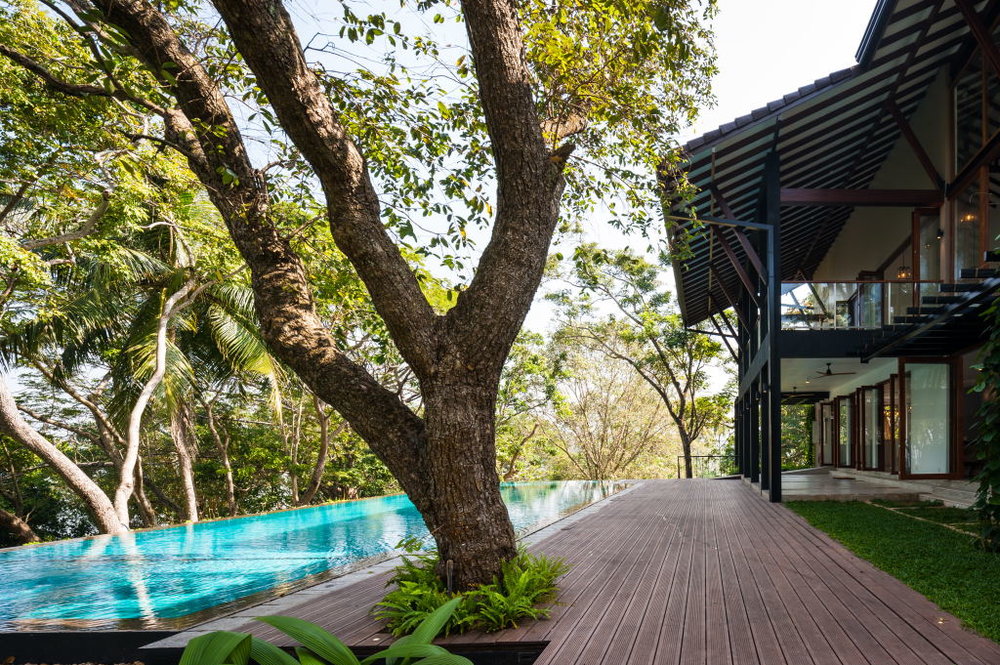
column 699, row 573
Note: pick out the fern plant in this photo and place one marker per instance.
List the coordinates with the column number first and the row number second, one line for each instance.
column 525, row 582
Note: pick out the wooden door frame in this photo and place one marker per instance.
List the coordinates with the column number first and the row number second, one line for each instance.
column 886, row 390
column 862, row 441
column 838, row 401
column 955, row 455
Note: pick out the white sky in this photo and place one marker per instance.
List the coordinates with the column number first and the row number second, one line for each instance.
column 766, row 49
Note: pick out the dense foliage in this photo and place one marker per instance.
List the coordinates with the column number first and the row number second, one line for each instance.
column 987, row 444
column 203, row 314
column 515, row 595
column 797, row 450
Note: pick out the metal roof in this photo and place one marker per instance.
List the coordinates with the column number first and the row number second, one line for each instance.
column 832, row 134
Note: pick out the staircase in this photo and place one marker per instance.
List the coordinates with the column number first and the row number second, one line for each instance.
column 948, row 297
column 960, row 300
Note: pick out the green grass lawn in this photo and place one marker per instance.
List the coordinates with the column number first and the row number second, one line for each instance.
column 941, row 564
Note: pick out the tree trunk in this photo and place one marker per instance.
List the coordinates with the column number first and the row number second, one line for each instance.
column 182, row 433
column 97, row 502
column 146, row 511
column 686, row 448
column 324, row 451
column 19, row 530
column 446, row 461
column 223, row 449
column 293, row 453
column 126, row 483
column 463, row 508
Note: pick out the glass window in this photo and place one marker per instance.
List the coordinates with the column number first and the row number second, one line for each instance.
column 826, row 451
column 968, row 112
column 927, row 401
column 844, row 431
column 967, row 229
column 870, row 425
column 928, row 229
column 890, row 420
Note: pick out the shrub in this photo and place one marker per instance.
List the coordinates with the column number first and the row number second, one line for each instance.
column 988, row 442
column 524, row 582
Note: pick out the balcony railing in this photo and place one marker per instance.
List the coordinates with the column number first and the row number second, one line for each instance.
column 849, row 305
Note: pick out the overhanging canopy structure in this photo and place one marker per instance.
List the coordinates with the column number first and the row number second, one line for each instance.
column 777, row 186
column 831, row 137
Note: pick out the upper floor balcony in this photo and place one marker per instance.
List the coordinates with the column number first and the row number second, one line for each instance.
column 869, row 305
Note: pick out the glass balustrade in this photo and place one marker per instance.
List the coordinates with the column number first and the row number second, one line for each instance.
column 849, row 305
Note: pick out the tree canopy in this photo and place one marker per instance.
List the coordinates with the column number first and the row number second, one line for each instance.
column 399, row 143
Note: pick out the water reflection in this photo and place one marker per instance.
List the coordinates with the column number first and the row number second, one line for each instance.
column 172, row 572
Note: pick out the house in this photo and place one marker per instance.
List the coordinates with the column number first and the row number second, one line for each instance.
column 844, row 248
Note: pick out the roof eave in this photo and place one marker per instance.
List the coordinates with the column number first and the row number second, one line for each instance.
column 873, row 33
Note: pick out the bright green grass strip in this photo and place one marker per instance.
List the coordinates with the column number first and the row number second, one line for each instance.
column 938, row 562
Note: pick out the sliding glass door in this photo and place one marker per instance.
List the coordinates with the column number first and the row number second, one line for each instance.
column 871, row 428
column 828, row 432
column 927, row 417
column 889, row 394
column 844, row 432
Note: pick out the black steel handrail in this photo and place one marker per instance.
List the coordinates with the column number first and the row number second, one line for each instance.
column 732, row 468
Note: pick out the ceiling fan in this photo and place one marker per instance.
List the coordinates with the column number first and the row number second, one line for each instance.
column 829, row 372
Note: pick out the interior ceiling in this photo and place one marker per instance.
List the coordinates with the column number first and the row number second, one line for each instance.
column 833, row 134
column 800, row 374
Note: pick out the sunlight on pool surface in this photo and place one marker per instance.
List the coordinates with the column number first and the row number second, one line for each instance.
column 156, row 578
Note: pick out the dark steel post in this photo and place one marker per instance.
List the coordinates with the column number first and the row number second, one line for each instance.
column 772, row 178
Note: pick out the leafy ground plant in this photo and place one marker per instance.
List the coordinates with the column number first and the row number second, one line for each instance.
column 942, row 564
column 524, row 582
column 320, row 647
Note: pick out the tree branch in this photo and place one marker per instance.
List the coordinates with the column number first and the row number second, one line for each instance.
column 283, row 299
column 529, row 186
column 264, row 34
column 58, row 423
column 83, row 231
column 56, row 84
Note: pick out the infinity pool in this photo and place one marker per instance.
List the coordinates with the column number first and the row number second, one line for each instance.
column 176, row 576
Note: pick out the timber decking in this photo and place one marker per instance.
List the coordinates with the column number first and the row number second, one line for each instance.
column 700, row 571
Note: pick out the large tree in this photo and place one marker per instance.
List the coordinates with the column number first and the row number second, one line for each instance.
column 619, row 307
column 615, row 76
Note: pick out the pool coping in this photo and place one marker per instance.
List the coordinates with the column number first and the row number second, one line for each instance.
column 363, row 570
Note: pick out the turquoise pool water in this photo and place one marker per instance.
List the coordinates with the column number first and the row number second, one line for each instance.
column 171, row 577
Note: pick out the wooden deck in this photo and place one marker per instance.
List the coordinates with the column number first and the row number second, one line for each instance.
column 701, row 571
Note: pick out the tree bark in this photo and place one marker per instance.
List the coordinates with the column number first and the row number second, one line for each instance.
column 185, row 443
column 19, row 530
column 97, row 502
column 445, row 461
column 465, row 511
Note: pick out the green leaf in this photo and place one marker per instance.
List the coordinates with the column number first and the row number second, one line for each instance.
column 220, row 646
column 307, row 657
column 321, row 642
column 432, row 625
column 403, row 649
column 265, row 653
